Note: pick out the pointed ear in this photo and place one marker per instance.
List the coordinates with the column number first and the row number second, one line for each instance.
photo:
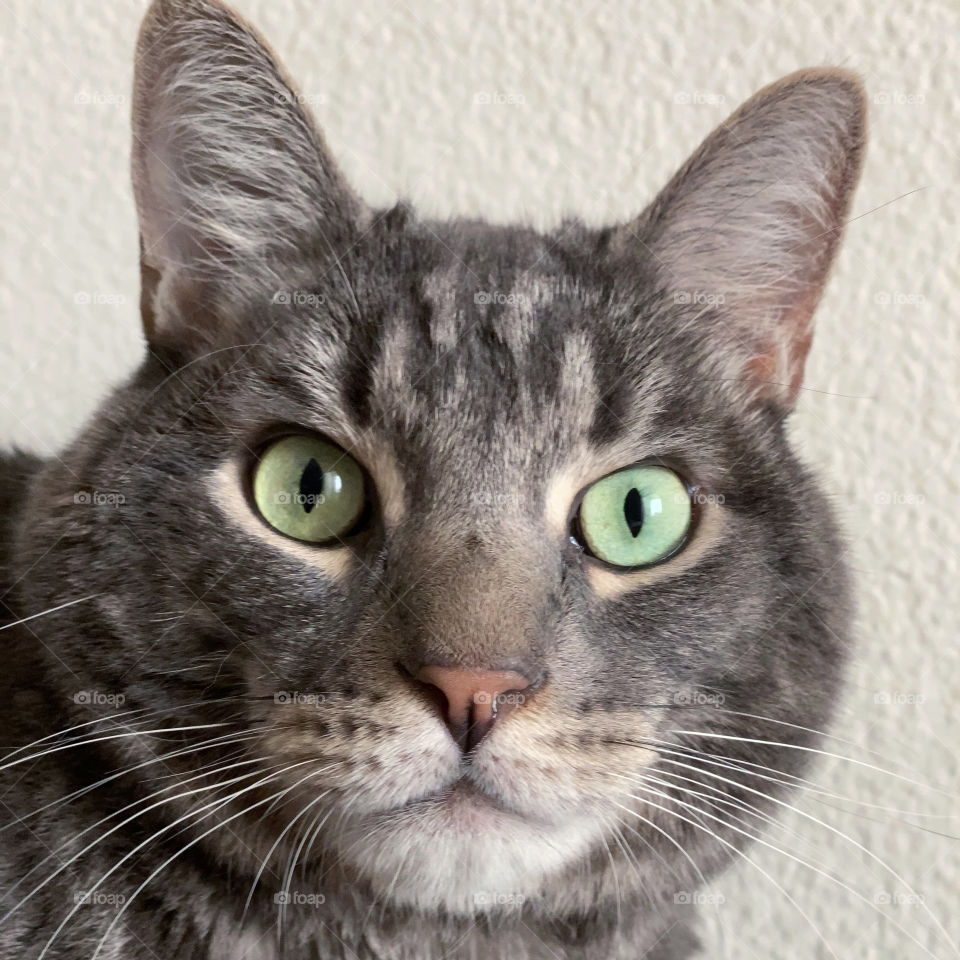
column 231, row 176
column 743, row 236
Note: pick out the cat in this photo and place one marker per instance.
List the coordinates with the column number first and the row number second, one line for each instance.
column 432, row 589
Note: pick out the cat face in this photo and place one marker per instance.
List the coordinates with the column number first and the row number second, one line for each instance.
column 479, row 381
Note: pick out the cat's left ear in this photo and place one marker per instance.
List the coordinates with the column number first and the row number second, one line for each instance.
column 743, row 236
column 232, row 178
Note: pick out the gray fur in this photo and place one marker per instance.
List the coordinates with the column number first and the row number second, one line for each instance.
column 468, row 367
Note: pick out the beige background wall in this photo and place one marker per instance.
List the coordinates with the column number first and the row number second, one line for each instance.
column 590, row 107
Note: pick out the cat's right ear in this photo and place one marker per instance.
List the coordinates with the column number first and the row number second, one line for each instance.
column 232, row 179
column 742, row 238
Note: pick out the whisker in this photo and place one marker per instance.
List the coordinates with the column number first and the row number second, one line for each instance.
column 126, row 771
column 112, row 736
column 279, row 839
column 292, row 862
column 100, row 839
column 795, row 782
column 824, row 753
column 182, row 850
column 799, row 860
column 44, row 613
column 863, row 849
column 116, row 718
column 738, row 852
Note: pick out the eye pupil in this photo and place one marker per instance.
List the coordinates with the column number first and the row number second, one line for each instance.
column 633, row 511
column 311, row 485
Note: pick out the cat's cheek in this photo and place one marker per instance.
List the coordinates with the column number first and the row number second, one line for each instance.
column 225, row 486
column 609, row 584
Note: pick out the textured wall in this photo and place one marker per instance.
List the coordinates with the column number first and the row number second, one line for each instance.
column 591, row 106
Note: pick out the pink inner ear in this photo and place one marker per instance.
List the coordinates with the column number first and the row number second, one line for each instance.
column 778, row 373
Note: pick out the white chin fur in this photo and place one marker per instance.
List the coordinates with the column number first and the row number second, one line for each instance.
column 464, row 859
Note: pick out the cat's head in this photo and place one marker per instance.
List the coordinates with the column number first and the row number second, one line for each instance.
column 463, row 524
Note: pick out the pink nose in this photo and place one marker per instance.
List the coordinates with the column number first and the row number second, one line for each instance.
column 475, row 699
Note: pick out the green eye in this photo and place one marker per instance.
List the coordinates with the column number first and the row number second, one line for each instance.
column 309, row 489
column 635, row 517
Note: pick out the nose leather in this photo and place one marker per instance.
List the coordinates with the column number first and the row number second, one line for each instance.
column 475, row 699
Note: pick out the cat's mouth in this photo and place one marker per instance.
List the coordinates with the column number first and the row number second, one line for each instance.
column 463, row 803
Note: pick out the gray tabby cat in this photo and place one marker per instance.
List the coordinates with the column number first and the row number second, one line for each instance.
column 432, row 589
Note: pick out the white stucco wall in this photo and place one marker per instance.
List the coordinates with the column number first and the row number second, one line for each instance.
column 602, row 100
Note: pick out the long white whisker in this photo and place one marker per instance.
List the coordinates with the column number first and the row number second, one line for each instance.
column 119, row 826
column 716, row 798
column 737, row 851
column 114, row 829
column 44, row 613
column 228, row 738
column 292, row 863
column 819, row 733
column 789, row 806
column 823, row 753
column 184, row 849
column 276, row 843
column 794, row 782
column 117, row 813
column 112, row 736
column 670, row 867
column 799, row 860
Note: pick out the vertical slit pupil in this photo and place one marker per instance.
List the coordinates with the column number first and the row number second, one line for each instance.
column 633, row 511
column 311, row 485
